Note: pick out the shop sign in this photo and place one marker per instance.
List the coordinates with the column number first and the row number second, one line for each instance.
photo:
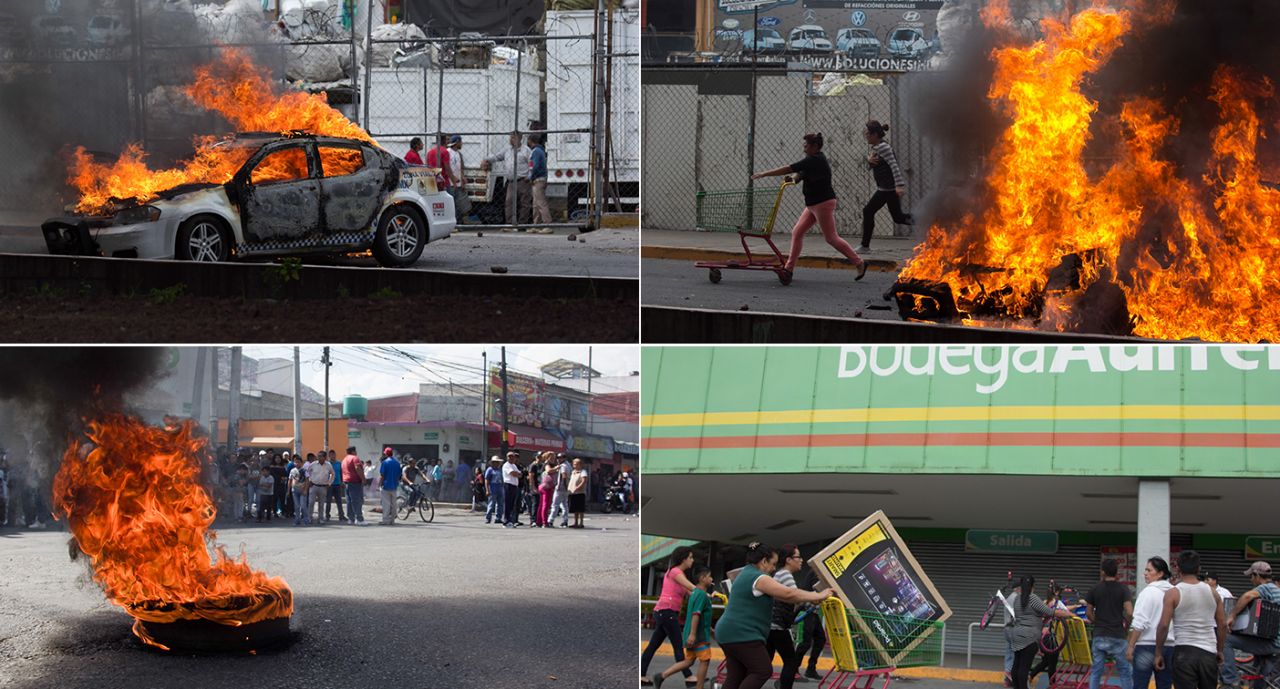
column 1003, row 541
column 431, row 435
column 1261, row 547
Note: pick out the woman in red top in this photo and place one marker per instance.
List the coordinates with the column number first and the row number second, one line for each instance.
column 413, row 157
column 666, row 614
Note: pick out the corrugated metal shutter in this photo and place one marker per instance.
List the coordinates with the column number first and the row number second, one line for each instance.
column 967, row 581
column 1228, row 564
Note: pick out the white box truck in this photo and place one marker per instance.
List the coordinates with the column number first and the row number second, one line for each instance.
column 568, row 88
column 404, row 101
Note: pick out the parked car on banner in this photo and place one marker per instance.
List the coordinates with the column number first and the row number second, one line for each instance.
column 858, row 42
column 809, row 38
column 908, row 42
column 763, row 41
column 54, row 30
column 107, row 29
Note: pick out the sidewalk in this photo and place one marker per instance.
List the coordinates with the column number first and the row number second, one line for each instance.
column 985, row 670
column 887, row 254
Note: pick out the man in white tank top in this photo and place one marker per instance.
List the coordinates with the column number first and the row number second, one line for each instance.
column 1195, row 612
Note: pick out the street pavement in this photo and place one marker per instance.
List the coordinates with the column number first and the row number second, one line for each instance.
column 455, row 604
column 606, row 252
column 813, row 291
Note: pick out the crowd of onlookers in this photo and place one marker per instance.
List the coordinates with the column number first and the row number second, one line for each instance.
column 316, row 487
column 551, row 486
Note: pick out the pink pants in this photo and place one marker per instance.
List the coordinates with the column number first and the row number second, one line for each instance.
column 544, row 505
column 825, row 215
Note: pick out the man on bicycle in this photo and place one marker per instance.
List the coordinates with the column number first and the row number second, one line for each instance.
column 412, row 477
column 1267, row 651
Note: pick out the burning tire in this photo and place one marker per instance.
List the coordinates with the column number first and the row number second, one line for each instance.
column 401, row 237
column 203, row 238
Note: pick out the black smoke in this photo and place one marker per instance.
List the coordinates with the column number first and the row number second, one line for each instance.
column 45, row 395
column 1176, row 61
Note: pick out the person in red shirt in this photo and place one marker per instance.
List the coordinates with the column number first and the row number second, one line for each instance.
column 353, row 482
column 412, row 157
column 438, row 157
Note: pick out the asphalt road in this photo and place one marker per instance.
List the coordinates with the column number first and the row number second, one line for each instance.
column 813, row 291
column 456, row 604
column 607, row 252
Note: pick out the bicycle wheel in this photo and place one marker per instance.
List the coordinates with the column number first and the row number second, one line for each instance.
column 992, row 606
column 1055, row 636
column 426, row 509
column 402, row 507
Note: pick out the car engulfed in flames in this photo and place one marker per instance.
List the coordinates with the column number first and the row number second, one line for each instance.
column 297, row 178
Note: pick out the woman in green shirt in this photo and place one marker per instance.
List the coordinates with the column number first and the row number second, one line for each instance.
column 744, row 626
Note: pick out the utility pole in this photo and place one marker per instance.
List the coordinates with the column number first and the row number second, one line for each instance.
column 297, row 403
column 484, row 407
column 591, row 422
column 233, row 403
column 505, row 445
column 324, row 359
column 197, row 396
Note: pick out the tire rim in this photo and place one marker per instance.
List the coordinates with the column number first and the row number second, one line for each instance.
column 205, row 243
column 402, row 235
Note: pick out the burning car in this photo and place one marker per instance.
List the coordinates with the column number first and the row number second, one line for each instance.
column 286, row 195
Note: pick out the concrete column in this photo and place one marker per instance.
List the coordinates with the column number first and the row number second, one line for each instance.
column 1153, row 522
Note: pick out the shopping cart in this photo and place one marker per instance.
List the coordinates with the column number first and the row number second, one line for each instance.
column 1075, row 661
column 864, row 659
column 750, row 213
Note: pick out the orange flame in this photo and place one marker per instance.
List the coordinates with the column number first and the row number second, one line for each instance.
column 235, row 88
column 1189, row 255
column 133, row 500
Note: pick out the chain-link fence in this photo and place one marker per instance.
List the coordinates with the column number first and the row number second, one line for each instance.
column 699, row 122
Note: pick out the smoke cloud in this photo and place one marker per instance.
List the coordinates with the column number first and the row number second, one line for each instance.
column 45, row 392
column 70, row 75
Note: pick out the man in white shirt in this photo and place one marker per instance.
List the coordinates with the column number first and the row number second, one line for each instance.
column 461, row 204
column 515, row 169
column 511, row 477
column 320, row 475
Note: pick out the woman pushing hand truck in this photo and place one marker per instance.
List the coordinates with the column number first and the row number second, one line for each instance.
column 819, row 203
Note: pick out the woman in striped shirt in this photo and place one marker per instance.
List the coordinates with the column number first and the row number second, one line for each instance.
column 1023, row 633
column 890, row 184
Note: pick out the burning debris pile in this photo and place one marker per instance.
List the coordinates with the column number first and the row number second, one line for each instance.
column 241, row 92
column 1092, row 214
column 133, row 499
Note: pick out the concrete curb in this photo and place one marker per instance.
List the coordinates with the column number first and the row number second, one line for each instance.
column 687, row 253
column 26, row 272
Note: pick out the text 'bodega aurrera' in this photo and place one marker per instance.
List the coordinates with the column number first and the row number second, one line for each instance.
column 999, row 361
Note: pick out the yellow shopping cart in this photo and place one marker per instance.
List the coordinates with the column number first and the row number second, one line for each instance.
column 750, row 213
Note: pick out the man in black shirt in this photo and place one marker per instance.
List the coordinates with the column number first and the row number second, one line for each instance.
column 1110, row 607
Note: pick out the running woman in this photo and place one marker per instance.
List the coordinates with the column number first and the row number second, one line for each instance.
column 890, row 184
column 819, row 203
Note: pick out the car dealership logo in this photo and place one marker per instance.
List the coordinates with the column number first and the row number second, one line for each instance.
column 912, row 16
column 858, row 18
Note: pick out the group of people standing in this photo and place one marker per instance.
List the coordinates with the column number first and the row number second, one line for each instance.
column 1176, row 629
column 551, row 485
column 523, row 169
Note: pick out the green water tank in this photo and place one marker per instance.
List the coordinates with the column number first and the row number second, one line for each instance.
column 355, row 407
